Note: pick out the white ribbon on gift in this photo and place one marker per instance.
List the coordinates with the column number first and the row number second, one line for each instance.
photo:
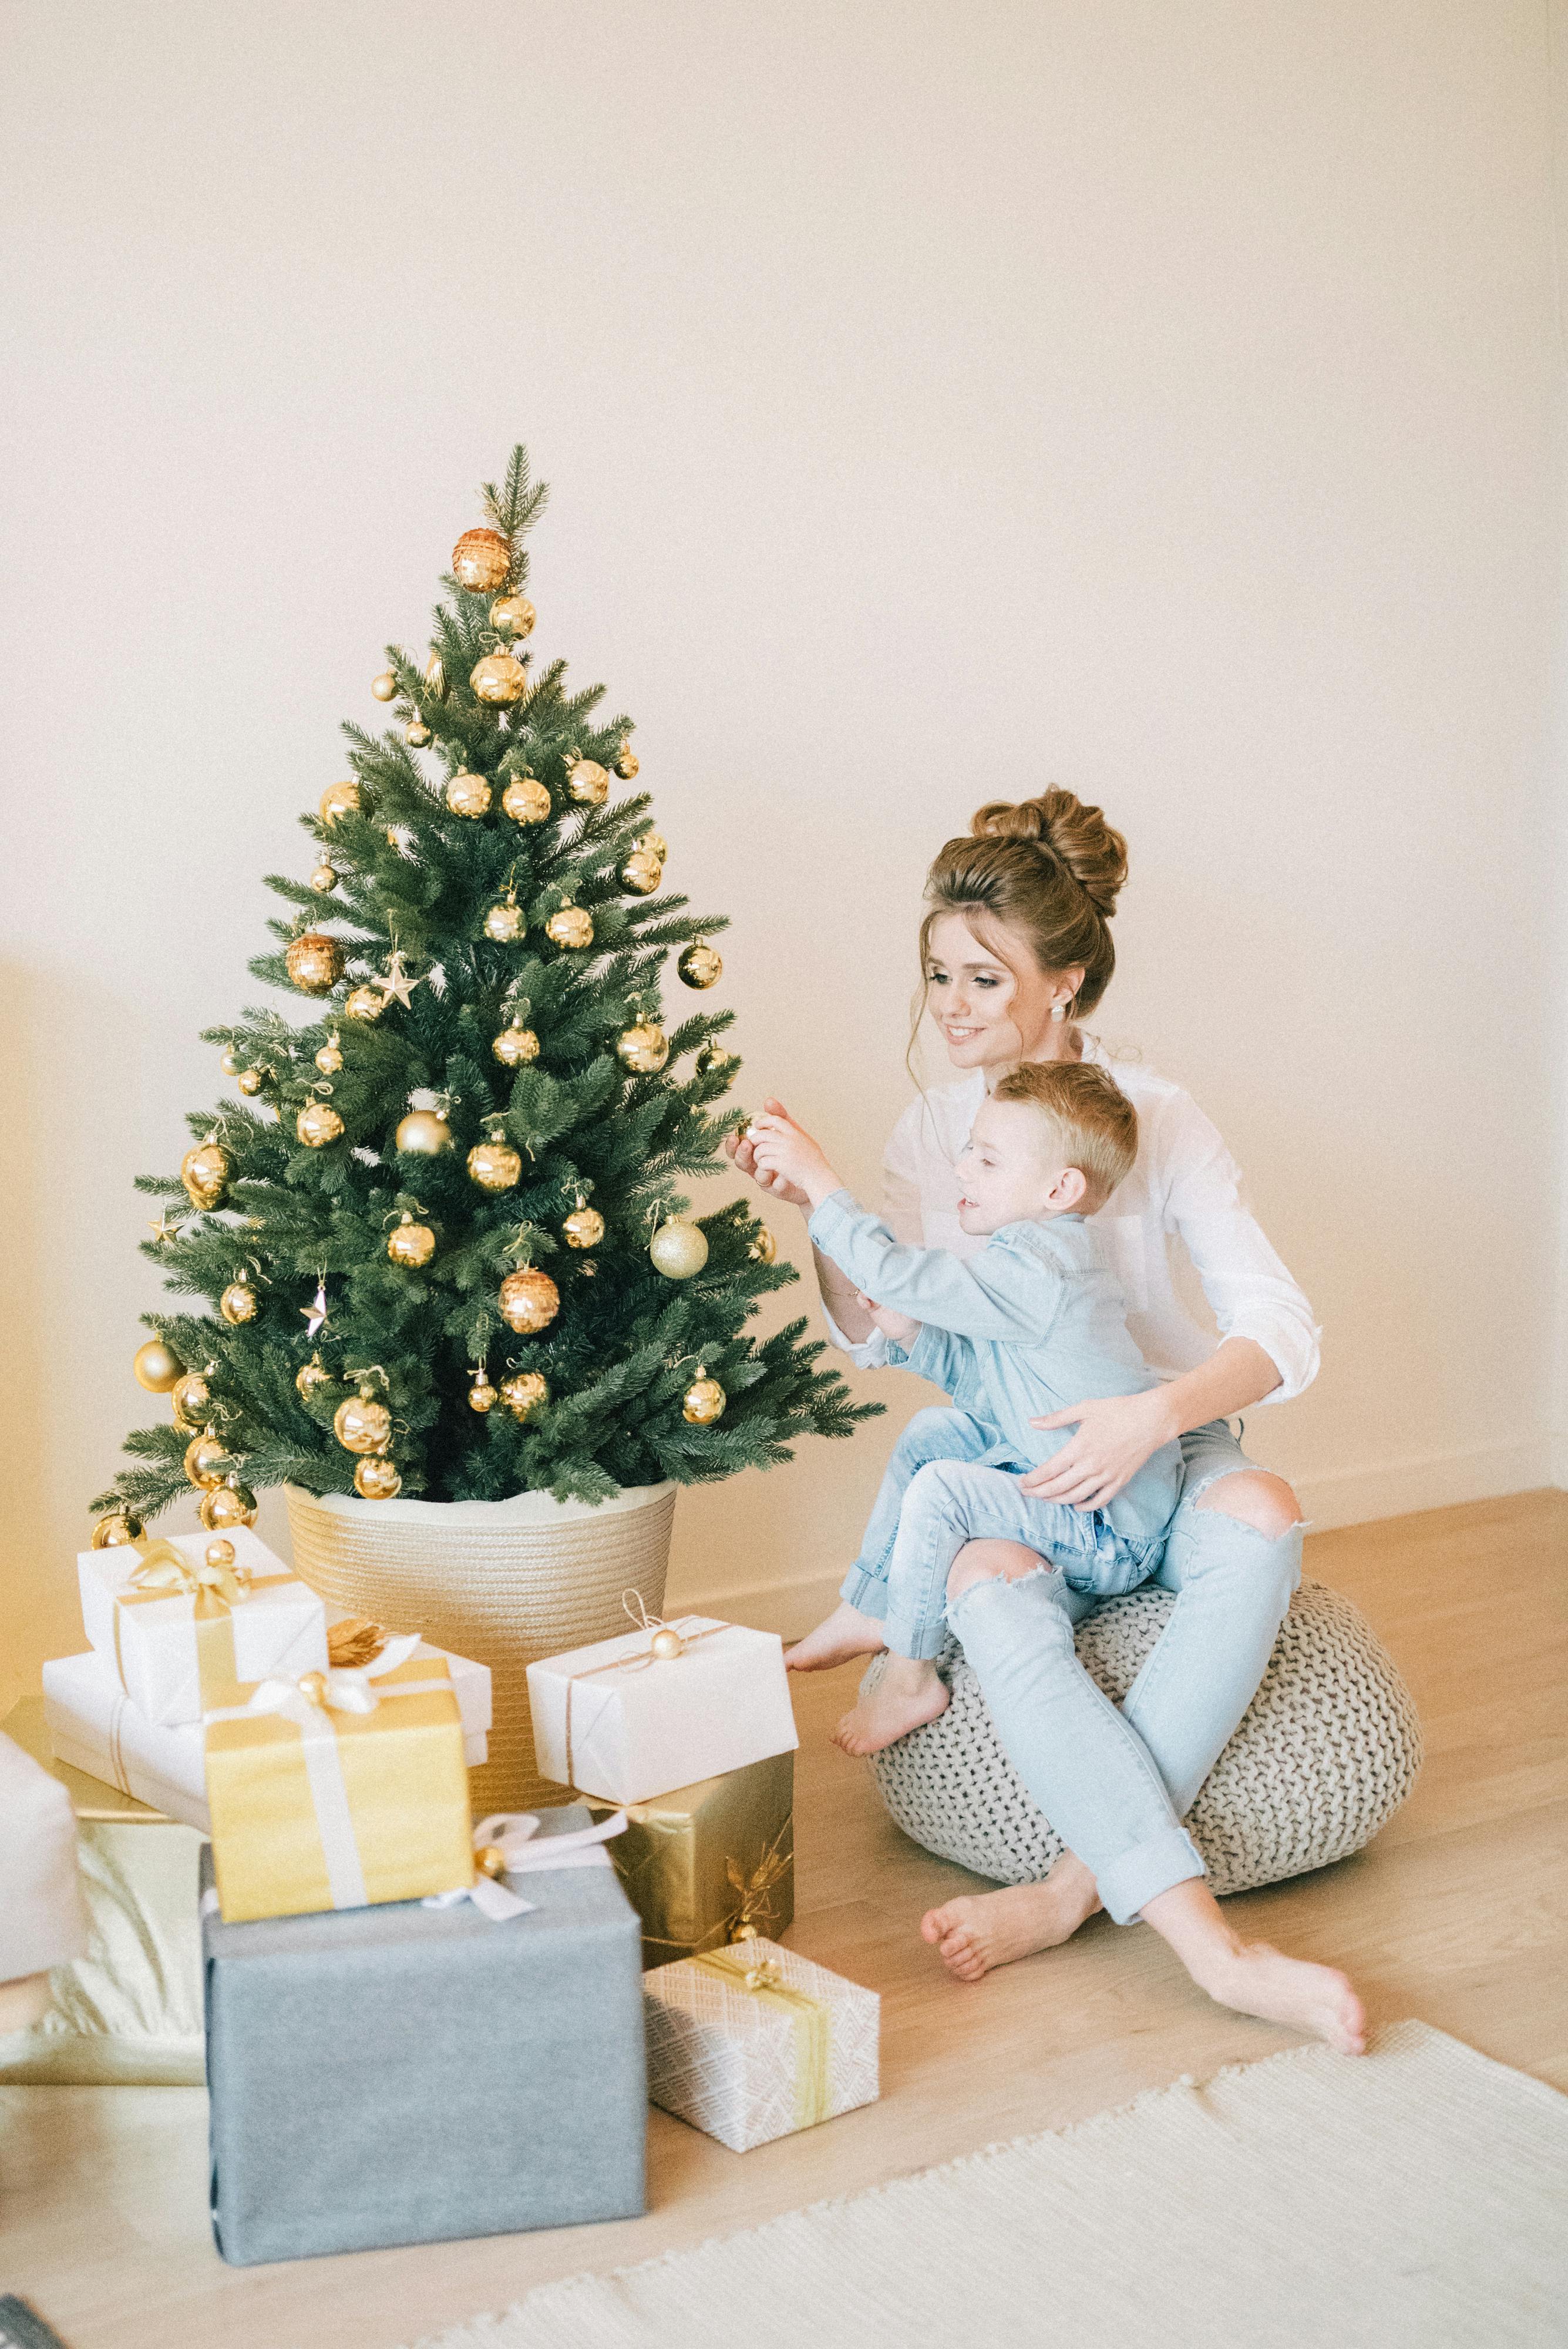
column 512, row 1833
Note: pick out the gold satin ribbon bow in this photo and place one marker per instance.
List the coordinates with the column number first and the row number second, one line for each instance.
column 666, row 1643
column 163, row 1572
column 812, row 2018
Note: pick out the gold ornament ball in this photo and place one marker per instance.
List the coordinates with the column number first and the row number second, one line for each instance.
column 317, row 1125
column 360, row 1423
column 524, row 1393
column 764, row 1247
column 481, row 1395
column 573, row 925
column 468, row 794
column 117, row 1531
column 481, row 561
column 314, row 961
column 588, row 782
column 416, row 734
column 526, row 800
column 666, row 1644
column 411, row 1244
column 324, row 879
column 423, row 1134
column 654, row 844
column 584, row 1229
column 204, row 1171
column 701, row 965
column 219, row 1553
column 490, row 1860
column 641, row 873
column 249, row 1081
column 711, row 1059
column 529, row 1300
column 515, row 615
column 157, row 1367
column 499, row 679
column 679, row 1249
column 330, row 1059
column 312, row 1687
column 190, row 1398
column 385, row 686
column 744, row 1932
column 504, row 922
column 376, row 1478
column 643, row 1048
column 338, row 799
column 205, row 1461
column 239, row 1304
column 435, row 677
column 515, row 1046
column 626, row 766
column 228, row 1504
column 494, row 1165
column 311, row 1377
column 229, row 1063
column 365, row 1003
column 703, row 1401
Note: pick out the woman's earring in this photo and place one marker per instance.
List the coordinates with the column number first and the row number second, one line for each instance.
column 1058, row 1012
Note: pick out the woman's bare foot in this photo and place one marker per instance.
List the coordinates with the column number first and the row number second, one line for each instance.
column 907, row 1695
column 844, row 1634
column 983, row 1929
column 1262, row 1981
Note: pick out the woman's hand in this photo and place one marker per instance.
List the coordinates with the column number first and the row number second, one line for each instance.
column 1115, row 1434
column 743, row 1153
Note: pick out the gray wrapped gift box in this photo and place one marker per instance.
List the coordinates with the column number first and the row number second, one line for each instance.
column 404, row 2075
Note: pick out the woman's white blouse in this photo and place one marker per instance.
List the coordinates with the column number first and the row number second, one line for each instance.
column 1185, row 1185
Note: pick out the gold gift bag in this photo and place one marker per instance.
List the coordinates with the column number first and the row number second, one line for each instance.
column 710, row 1861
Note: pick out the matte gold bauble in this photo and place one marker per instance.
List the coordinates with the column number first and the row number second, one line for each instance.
column 573, row 925
column 239, row 1304
column 117, row 1531
column 529, row 1300
column 189, row 1398
column 435, row 677
column 713, row 1059
column 504, row 922
column 494, row 1165
column 411, row 1244
column 330, row 1059
column 423, row 1134
column 416, row 734
column 584, row 1229
column 481, row 561
column 679, row 1249
column 385, row 686
column 524, row 1393
column 228, row 1504
column 376, row 1478
column 338, row 799
column 641, row 873
column 314, row 961
column 324, row 879
column 515, row 1046
column 204, row 1171
column 526, row 800
column 764, row 1247
column 643, row 1048
column 703, row 1401
column 249, row 1081
column 653, row 843
column 481, row 1395
column 365, row 1003
column 701, row 965
column 317, row 1125
column 360, row 1423
column 157, row 1367
column 626, row 766
column 499, row 679
column 311, row 1377
column 514, row 616
column 205, row 1461
column 588, row 782
column 666, row 1644
column 468, row 794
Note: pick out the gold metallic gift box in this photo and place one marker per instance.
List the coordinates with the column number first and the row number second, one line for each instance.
column 710, row 1858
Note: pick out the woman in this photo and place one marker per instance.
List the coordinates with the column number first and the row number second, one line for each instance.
column 1016, row 951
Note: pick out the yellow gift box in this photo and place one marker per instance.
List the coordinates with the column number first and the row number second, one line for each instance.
column 339, row 1790
column 711, row 1859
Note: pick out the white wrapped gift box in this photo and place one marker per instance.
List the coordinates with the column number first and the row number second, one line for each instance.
column 150, row 1641
column 754, row 2041
column 623, row 1723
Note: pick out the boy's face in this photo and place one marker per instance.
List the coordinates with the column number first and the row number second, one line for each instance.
column 1012, row 1170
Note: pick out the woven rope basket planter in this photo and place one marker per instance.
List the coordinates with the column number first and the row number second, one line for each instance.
column 503, row 1582
column 1325, row 1753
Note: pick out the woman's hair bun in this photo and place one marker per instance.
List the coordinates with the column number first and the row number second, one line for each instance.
column 1075, row 837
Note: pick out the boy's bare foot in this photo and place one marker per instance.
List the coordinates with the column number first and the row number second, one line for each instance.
column 1258, row 1980
column 983, row 1929
column 844, row 1634
column 907, row 1696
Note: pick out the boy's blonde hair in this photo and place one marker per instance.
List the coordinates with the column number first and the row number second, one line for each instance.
column 1095, row 1125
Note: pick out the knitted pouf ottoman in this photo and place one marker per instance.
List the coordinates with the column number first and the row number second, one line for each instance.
column 1326, row 1752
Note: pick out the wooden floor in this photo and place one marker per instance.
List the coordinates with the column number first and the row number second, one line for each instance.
column 1458, row 1914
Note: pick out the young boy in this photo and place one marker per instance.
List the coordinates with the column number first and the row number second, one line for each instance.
column 1029, row 1324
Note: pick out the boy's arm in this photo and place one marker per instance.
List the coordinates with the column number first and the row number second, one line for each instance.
column 987, row 1296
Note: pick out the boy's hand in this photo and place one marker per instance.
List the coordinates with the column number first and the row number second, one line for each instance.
column 781, row 1148
column 902, row 1330
column 743, row 1157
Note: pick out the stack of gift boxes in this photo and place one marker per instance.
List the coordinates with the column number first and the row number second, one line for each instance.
column 418, row 2028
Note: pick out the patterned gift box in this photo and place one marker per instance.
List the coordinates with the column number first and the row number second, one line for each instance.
column 706, row 1858
column 162, row 1614
column 751, row 2042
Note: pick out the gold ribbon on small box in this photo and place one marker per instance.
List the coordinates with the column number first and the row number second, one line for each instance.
column 666, row 1643
column 217, row 1586
column 762, row 1977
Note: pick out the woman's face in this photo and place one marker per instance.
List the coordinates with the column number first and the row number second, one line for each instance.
column 992, row 1013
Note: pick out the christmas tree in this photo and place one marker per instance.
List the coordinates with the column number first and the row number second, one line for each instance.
column 443, row 1229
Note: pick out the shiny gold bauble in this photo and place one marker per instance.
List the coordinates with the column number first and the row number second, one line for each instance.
column 189, row 1398
column 526, row 800
column 239, row 1304
column 249, row 1081
column 701, row 965
column 423, row 1133
column 204, row 1171
column 641, row 873
column 311, row 1377
column 529, row 1300
column 764, row 1247
column 504, row 922
column 572, row 927
column 314, row 961
column 117, row 1531
column 703, row 1401
column 229, row 1063
column 584, row 1229
column 653, row 843
column 330, row 1059
column 515, row 1046
column 205, row 1460
column 643, row 1048
column 324, row 879
column 317, row 1125
column 312, row 1687
column 481, row 561
column 435, row 677
column 744, row 1932
column 514, row 616
column 360, row 1423
column 219, row 1553
column 157, row 1367
column 490, row 1860
column 679, row 1249
column 712, row 1058
column 524, row 1393
column 411, row 1244
column 376, row 1478
column 365, row 1003
column 481, row 1395
column 468, row 794
column 626, row 766
column 228, row 1504
column 494, row 1164
column 588, row 782
column 666, row 1644
column 416, row 734
column 385, row 686
column 498, row 679
column 338, row 799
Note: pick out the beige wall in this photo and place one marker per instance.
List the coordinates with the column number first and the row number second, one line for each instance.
column 938, row 398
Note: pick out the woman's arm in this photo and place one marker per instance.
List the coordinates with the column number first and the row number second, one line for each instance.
column 1116, row 1433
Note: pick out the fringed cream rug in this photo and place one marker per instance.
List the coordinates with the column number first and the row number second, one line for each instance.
column 1416, row 2196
